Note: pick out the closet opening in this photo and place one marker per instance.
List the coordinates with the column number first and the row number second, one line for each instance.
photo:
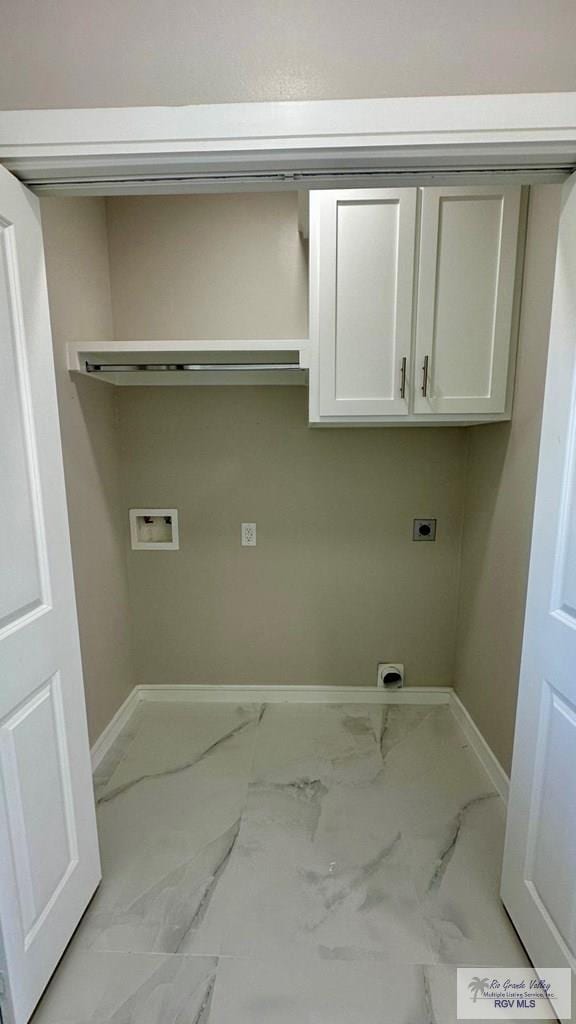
column 266, row 398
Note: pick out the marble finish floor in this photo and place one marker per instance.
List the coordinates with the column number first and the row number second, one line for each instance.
column 287, row 864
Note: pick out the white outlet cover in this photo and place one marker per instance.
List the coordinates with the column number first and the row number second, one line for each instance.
column 248, row 535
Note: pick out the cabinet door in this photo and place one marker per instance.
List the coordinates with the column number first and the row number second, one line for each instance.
column 467, row 271
column 362, row 275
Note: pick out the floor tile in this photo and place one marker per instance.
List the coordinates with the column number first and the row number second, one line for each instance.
column 124, row 988
column 331, row 992
column 167, row 739
column 168, row 819
column 334, row 741
column 320, row 859
column 452, row 822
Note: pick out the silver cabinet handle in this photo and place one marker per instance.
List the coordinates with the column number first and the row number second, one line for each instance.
column 403, row 378
column 424, row 387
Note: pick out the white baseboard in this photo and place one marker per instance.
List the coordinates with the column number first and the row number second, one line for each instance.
column 110, row 734
column 297, row 694
column 483, row 752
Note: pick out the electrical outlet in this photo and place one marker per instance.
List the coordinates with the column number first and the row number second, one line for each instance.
column 424, row 529
column 248, row 535
column 390, row 677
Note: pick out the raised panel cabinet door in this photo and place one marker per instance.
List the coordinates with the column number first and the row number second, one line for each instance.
column 49, row 862
column 362, row 276
column 466, row 279
column 539, row 874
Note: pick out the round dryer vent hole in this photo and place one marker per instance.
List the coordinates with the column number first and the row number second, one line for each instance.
column 390, row 677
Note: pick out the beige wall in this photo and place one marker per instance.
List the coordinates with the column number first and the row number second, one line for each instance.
column 145, row 52
column 79, row 289
column 335, row 583
column 225, row 266
column 502, row 463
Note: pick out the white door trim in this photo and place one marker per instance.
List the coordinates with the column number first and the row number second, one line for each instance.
column 434, row 133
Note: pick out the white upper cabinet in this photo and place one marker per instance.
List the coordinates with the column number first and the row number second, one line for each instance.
column 467, row 268
column 362, row 275
column 390, row 347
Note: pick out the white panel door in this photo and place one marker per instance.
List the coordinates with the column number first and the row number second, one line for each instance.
column 361, row 281
column 49, row 863
column 539, row 877
column 467, row 268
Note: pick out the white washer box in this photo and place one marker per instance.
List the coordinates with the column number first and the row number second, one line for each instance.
column 154, row 529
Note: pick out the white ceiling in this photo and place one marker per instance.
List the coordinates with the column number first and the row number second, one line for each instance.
column 90, row 53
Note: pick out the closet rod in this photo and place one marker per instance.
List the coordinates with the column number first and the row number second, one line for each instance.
column 187, row 367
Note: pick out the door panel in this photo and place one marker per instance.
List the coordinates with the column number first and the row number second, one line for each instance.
column 465, row 298
column 563, row 602
column 49, row 864
column 366, row 289
column 39, row 805
column 21, row 587
column 540, row 854
column 362, row 298
column 552, row 829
